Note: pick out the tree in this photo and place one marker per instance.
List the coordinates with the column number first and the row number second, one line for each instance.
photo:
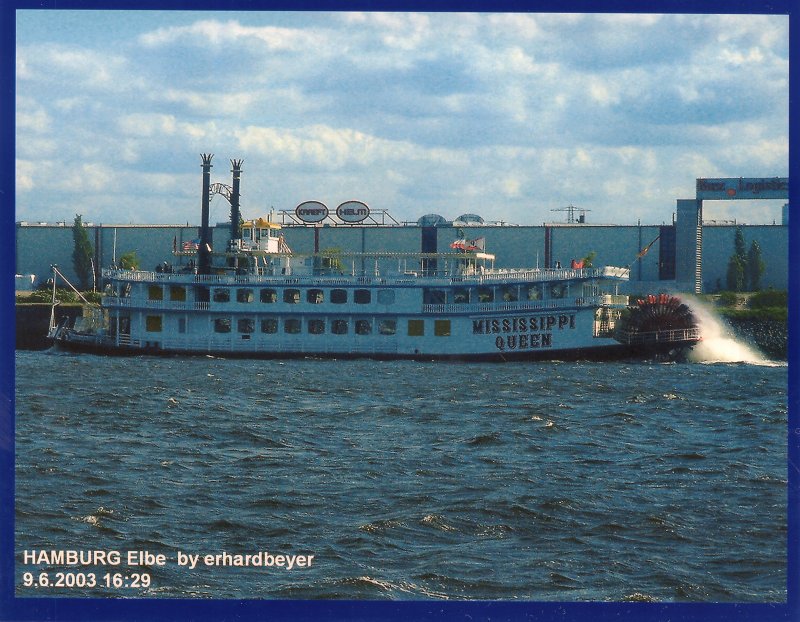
column 129, row 261
column 735, row 276
column 81, row 253
column 739, row 246
column 755, row 267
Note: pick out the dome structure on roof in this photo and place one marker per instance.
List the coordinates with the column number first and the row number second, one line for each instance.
column 432, row 220
column 468, row 219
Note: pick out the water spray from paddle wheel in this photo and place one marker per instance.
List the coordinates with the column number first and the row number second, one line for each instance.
column 660, row 313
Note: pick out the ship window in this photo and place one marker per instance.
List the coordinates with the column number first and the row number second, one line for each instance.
column 338, row 296
column 291, row 326
column 269, row 325
column 363, row 327
column 385, row 296
column 315, row 296
column 245, row 325
column 558, row 290
column 177, row 293
column 181, row 324
column 416, row 328
column 509, row 293
column 244, row 295
column 534, row 291
column 485, row 294
column 124, row 325
column 362, row 296
column 461, row 296
column 434, row 296
column 387, row 327
column 153, row 323
column 316, row 327
column 222, row 295
column 155, row 292
column 222, row 325
column 292, row 296
column 441, row 328
column 269, row 295
column 126, row 290
column 339, row 327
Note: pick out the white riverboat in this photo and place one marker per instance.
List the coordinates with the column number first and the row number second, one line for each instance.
column 258, row 299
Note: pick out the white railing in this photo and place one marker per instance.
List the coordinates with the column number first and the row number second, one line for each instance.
column 676, row 335
column 531, row 275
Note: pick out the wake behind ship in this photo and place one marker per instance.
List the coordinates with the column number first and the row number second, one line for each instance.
column 256, row 298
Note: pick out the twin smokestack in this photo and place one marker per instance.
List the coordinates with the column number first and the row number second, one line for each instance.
column 204, row 251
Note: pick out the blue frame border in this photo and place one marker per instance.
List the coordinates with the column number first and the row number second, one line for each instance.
column 12, row 608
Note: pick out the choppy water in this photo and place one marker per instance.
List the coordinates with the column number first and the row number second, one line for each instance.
column 407, row 480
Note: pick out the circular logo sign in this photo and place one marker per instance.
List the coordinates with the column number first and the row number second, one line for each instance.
column 311, row 211
column 352, row 211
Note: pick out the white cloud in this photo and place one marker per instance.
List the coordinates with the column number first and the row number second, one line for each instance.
column 508, row 115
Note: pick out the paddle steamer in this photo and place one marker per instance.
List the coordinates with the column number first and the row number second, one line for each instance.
column 256, row 298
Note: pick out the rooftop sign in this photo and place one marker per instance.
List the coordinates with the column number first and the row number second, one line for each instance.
column 311, row 211
column 727, row 188
column 352, row 211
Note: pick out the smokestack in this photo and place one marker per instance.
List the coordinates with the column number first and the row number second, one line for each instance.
column 236, row 231
column 204, row 253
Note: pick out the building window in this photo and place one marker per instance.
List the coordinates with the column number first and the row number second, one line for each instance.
column 339, row 327
column 291, row 296
column 316, row 327
column 155, row 292
column 152, row 323
column 244, row 295
column 291, row 326
column 246, row 325
column 338, row 296
column 315, row 296
column 269, row 295
column 222, row 295
column 269, row 325
column 222, row 325
column 385, row 296
column 441, row 328
column 362, row 296
column 416, row 328
column 177, row 293
column 363, row 327
column 387, row 327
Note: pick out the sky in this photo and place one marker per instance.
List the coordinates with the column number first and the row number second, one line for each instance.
column 510, row 116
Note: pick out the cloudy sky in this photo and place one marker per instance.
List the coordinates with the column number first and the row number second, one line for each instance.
column 509, row 116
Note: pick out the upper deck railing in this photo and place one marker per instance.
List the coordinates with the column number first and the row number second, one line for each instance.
column 405, row 279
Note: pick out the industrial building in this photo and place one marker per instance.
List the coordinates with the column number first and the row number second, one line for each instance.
column 686, row 255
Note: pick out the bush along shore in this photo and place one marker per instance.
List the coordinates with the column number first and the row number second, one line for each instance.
column 760, row 319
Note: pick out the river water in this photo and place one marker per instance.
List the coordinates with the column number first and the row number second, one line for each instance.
column 404, row 480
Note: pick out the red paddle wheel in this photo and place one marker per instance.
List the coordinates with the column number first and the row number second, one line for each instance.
column 662, row 312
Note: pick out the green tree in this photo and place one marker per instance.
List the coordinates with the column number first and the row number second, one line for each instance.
column 755, row 267
column 81, row 253
column 735, row 275
column 739, row 246
column 129, row 261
